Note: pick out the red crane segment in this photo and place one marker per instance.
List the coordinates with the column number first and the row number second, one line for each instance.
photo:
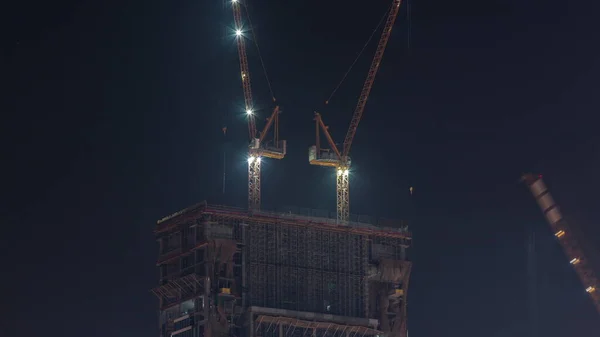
column 258, row 147
column 567, row 240
column 364, row 94
column 244, row 68
column 340, row 159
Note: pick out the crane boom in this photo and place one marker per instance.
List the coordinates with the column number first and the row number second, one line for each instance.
column 244, row 68
column 341, row 159
column 565, row 237
column 366, row 90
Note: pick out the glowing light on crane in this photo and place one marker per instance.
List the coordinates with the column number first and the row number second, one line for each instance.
column 570, row 243
column 259, row 146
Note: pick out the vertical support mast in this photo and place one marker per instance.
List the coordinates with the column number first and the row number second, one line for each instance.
column 564, row 234
column 343, row 193
column 254, row 181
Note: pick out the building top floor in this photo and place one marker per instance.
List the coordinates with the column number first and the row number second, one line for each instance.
column 289, row 216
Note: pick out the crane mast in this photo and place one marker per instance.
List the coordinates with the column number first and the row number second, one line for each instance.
column 341, row 159
column 257, row 148
column 565, row 237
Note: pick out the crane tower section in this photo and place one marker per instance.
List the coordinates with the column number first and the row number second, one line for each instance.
column 259, row 146
column 333, row 157
column 565, row 237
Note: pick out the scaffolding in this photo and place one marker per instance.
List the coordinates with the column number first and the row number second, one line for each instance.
column 232, row 260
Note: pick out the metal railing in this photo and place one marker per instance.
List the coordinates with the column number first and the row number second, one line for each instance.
column 322, row 216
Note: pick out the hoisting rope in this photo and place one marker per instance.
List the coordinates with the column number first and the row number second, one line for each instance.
column 359, row 54
column 259, row 54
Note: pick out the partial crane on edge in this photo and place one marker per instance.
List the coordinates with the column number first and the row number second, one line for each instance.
column 341, row 159
column 257, row 148
column 565, row 237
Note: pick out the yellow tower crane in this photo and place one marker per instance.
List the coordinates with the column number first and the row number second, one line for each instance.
column 257, row 148
column 333, row 157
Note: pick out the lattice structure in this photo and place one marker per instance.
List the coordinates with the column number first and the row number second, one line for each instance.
column 254, row 181
column 180, row 287
column 287, row 327
column 291, row 264
column 343, row 193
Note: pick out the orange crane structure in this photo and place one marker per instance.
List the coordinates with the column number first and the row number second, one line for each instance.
column 333, row 157
column 564, row 234
column 258, row 147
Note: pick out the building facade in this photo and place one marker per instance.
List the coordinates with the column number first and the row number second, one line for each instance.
column 230, row 272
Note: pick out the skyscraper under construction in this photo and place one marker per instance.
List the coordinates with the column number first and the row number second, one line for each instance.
column 232, row 272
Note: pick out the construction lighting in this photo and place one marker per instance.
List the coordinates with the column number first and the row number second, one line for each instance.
column 559, row 234
column 258, row 159
column 590, row 289
column 575, row 261
column 249, row 112
column 238, row 32
column 342, row 171
column 251, row 159
column 234, row 1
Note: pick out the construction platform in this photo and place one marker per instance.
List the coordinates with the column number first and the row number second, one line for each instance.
column 227, row 271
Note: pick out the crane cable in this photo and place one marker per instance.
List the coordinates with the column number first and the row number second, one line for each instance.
column 259, row 54
column 358, row 56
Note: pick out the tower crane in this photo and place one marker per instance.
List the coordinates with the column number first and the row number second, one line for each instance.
column 340, row 159
column 563, row 233
column 257, row 148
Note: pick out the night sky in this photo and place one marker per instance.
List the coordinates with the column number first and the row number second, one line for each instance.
column 112, row 115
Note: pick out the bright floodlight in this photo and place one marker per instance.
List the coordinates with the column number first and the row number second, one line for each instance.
column 249, row 111
column 233, row 0
column 339, row 172
column 238, row 32
column 258, row 159
column 250, row 159
column 346, row 172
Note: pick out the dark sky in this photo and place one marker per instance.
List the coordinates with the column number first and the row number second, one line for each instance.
column 112, row 114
